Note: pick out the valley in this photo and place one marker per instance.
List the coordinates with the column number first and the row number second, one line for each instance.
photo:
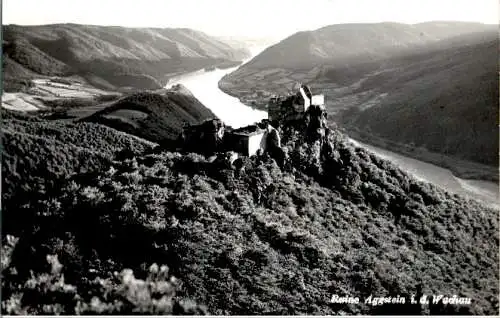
column 110, row 58
column 451, row 174
column 435, row 98
column 105, row 211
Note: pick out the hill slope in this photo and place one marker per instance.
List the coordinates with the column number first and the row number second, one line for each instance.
column 157, row 116
column 262, row 240
column 345, row 43
column 137, row 57
column 436, row 87
column 37, row 153
column 445, row 101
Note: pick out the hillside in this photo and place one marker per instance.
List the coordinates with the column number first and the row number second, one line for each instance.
column 345, row 43
column 445, row 102
column 157, row 116
column 341, row 55
column 434, row 83
column 256, row 240
column 37, row 153
column 110, row 57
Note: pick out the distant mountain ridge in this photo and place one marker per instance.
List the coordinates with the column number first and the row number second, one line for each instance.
column 109, row 56
column 307, row 49
column 246, row 41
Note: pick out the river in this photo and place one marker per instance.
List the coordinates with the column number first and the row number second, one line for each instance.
column 484, row 191
column 204, row 85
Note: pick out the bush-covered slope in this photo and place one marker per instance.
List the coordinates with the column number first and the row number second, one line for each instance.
column 137, row 57
column 256, row 240
column 158, row 117
column 37, row 155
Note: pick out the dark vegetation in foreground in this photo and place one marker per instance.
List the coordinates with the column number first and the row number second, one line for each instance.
column 80, row 213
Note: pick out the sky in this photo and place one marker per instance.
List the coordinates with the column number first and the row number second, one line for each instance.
column 250, row 18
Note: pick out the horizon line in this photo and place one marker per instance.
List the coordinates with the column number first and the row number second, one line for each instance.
column 171, row 27
column 273, row 37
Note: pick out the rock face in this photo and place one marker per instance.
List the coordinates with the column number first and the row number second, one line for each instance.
column 315, row 121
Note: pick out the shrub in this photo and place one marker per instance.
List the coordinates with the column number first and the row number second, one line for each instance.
column 49, row 294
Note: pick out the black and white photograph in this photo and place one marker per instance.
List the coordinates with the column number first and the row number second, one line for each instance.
column 237, row 158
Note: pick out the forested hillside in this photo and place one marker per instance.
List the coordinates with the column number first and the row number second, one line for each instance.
column 158, row 116
column 110, row 57
column 259, row 239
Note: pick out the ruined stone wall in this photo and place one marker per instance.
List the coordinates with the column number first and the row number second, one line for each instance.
column 256, row 142
column 274, row 110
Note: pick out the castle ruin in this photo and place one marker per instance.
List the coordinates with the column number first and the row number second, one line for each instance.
column 293, row 107
column 213, row 136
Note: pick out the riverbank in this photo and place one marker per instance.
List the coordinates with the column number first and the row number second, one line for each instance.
column 49, row 93
column 486, row 192
column 460, row 168
column 203, row 85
